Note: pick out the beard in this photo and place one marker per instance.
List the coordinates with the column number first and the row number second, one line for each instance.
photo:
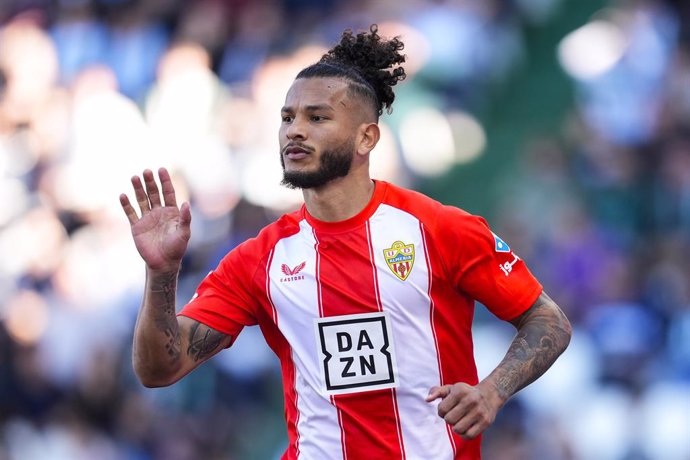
column 334, row 163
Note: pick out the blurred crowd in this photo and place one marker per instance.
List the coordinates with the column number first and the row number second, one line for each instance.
column 94, row 91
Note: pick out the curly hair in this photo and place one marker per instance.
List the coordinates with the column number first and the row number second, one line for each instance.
column 368, row 62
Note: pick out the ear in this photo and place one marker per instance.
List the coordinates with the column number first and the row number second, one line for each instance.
column 369, row 135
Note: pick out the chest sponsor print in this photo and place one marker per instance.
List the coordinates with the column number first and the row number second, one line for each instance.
column 356, row 353
column 400, row 259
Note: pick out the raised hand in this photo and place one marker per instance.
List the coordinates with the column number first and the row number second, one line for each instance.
column 162, row 231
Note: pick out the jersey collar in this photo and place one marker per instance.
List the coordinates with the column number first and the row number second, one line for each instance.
column 354, row 221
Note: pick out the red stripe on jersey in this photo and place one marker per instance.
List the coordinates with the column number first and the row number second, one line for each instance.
column 268, row 289
column 449, row 430
column 321, row 314
column 377, row 292
column 318, row 273
column 293, row 390
column 368, row 419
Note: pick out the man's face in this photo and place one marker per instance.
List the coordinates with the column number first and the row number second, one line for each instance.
column 317, row 133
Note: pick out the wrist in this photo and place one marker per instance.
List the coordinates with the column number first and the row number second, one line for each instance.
column 163, row 273
column 492, row 393
column 164, row 269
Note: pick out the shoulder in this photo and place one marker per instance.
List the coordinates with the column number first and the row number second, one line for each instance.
column 429, row 211
column 261, row 245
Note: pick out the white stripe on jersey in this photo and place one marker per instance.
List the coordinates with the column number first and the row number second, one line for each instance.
column 297, row 304
column 408, row 305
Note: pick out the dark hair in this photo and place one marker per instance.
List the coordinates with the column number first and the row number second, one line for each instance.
column 367, row 61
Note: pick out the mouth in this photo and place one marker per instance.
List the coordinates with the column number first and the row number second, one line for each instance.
column 294, row 152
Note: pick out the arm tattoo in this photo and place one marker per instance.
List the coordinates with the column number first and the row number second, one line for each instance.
column 173, row 344
column 163, row 296
column 543, row 334
column 203, row 341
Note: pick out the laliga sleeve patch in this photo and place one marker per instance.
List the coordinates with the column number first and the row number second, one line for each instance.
column 356, row 353
column 501, row 245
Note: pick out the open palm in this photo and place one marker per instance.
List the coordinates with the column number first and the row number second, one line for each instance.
column 162, row 230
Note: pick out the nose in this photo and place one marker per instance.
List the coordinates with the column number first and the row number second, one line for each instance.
column 296, row 129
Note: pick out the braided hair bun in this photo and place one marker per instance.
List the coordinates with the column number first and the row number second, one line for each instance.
column 368, row 61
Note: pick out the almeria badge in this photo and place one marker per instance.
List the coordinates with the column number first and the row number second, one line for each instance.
column 400, row 259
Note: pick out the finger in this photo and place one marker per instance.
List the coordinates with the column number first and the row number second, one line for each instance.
column 129, row 210
column 455, row 415
column 471, row 432
column 460, row 396
column 438, row 392
column 463, row 424
column 169, row 198
column 152, row 188
column 140, row 194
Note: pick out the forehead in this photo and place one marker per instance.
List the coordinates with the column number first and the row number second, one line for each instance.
column 318, row 91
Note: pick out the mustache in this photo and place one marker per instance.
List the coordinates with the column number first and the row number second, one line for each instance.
column 297, row 145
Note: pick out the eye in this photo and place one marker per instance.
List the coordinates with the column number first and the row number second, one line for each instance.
column 317, row 118
column 287, row 118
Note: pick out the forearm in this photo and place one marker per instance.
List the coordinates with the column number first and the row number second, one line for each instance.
column 543, row 334
column 156, row 350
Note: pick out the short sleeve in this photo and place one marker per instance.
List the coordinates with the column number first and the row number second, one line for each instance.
column 484, row 266
column 224, row 300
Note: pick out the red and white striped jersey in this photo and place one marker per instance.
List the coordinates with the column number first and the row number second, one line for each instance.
column 366, row 315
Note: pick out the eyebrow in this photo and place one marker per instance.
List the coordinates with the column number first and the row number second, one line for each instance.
column 311, row 108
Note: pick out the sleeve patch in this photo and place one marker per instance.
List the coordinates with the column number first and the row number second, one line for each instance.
column 501, row 245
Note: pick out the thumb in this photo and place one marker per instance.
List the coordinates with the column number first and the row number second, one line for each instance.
column 438, row 392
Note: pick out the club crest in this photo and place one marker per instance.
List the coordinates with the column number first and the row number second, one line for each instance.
column 400, row 259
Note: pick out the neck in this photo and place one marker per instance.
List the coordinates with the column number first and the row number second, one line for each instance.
column 340, row 199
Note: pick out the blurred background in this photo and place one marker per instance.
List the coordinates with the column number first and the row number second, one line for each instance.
column 565, row 123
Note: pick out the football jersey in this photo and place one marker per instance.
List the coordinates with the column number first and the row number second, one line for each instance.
column 366, row 315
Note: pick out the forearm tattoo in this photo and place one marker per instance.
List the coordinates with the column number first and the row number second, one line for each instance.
column 162, row 291
column 203, row 341
column 543, row 334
